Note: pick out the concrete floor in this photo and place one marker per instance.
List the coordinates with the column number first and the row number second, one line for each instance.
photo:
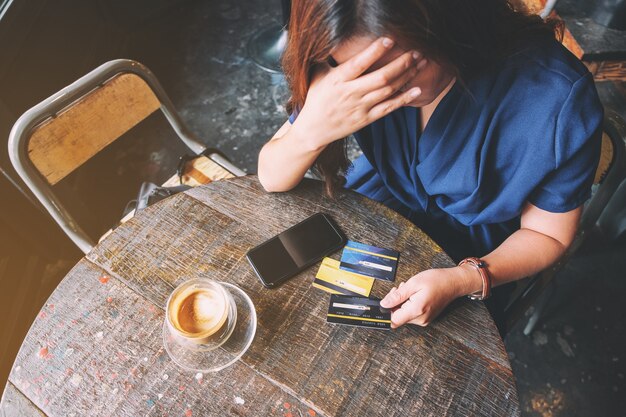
column 572, row 365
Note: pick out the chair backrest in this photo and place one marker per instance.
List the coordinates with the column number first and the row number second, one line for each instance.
column 61, row 144
column 610, row 173
column 56, row 136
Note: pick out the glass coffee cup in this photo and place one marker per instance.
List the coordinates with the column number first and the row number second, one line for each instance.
column 201, row 314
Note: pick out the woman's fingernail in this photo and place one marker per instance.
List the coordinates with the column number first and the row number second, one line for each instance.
column 416, row 55
column 387, row 42
column 387, row 300
column 415, row 92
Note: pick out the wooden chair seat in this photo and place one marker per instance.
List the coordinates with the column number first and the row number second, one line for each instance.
column 199, row 171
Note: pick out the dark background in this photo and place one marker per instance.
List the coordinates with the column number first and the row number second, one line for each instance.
column 572, row 365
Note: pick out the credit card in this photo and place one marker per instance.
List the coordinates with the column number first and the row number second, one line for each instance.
column 331, row 279
column 371, row 261
column 358, row 311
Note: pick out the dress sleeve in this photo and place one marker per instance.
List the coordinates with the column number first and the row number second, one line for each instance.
column 577, row 142
column 293, row 116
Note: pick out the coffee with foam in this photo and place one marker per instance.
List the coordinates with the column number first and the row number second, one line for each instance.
column 200, row 312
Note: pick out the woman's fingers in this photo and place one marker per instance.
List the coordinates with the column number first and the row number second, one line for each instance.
column 361, row 62
column 395, row 102
column 398, row 295
column 390, row 89
column 386, row 75
column 411, row 311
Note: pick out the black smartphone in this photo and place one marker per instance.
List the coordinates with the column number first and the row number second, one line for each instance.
column 293, row 250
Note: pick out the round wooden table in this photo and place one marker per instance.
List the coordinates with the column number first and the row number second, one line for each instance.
column 96, row 346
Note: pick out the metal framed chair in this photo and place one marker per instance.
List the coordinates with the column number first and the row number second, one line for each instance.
column 536, row 291
column 55, row 137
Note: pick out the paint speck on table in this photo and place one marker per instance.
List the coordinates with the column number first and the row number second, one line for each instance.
column 104, row 279
column 76, row 379
column 150, row 403
column 165, row 377
column 127, row 386
column 68, row 352
column 109, row 299
column 239, row 401
column 311, row 413
column 199, row 376
column 99, row 335
column 188, row 413
column 287, row 406
column 43, row 353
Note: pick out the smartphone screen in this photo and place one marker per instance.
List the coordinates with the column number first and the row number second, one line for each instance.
column 296, row 248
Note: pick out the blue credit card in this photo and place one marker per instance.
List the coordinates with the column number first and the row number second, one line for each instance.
column 378, row 263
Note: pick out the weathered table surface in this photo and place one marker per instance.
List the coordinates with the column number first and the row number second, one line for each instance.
column 96, row 346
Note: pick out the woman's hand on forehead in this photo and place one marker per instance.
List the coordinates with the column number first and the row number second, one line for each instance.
column 363, row 55
column 368, row 85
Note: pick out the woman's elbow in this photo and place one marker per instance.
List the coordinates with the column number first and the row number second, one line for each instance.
column 271, row 185
column 566, row 242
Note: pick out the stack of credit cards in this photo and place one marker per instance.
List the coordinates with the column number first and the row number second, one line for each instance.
column 350, row 283
column 358, row 311
column 369, row 260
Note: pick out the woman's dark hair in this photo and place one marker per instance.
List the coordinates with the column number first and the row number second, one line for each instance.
column 464, row 36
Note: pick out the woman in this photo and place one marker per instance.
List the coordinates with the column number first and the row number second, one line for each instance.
column 474, row 121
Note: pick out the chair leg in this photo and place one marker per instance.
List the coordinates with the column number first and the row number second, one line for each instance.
column 540, row 308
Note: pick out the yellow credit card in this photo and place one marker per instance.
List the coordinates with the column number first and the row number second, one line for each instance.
column 336, row 281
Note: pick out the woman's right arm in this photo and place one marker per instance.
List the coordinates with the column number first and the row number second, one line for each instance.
column 285, row 159
column 340, row 101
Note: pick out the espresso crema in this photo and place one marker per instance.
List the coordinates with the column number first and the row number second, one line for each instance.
column 199, row 313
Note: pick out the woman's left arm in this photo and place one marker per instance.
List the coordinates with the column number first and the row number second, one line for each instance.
column 542, row 238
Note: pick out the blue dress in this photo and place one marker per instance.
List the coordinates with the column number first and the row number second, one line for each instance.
column 526, row 130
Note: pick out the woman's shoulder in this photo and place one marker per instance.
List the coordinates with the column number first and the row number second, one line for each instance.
column 535, row 83
column 540, row 97
column 549, row 57
column 546, row 64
